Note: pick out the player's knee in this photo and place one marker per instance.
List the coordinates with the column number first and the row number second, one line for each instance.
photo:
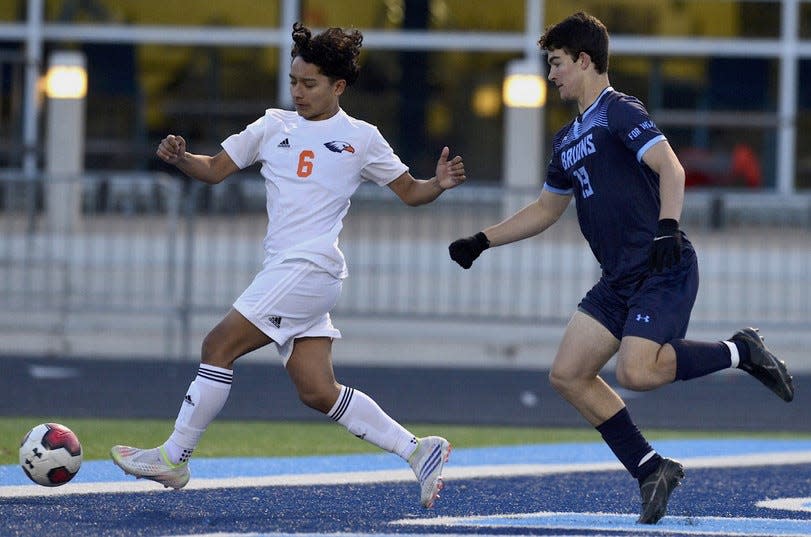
column 624, row 376
column 562, row 382
column 212, row 352
column 631, row 375
column 319, row 400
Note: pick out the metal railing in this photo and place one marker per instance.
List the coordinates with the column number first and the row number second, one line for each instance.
column 153, row 250
column 788, row 49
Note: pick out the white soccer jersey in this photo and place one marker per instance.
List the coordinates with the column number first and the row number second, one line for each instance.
column 311, row 169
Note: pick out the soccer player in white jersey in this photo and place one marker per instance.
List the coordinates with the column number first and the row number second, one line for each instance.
column 628, row 187
column 313, row 159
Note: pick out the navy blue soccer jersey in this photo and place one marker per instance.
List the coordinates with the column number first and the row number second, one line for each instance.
column 597, row 157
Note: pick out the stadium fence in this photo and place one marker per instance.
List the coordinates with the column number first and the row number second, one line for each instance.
column 152, row 248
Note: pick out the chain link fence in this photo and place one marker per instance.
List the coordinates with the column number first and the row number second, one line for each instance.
column 152, row 254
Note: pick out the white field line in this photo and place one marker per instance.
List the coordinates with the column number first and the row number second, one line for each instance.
column 388, row 476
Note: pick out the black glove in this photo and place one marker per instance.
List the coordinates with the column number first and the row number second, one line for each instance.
column 465, row 251
column 666, row 249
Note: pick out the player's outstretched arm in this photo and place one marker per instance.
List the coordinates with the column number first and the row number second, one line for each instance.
column 211, row 170
column 449, row 174
column 528, row 222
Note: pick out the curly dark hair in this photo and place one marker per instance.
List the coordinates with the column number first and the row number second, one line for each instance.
column 335, row 51
column 578, row 33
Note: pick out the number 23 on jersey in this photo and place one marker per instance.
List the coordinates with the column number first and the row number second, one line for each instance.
column 585, row 184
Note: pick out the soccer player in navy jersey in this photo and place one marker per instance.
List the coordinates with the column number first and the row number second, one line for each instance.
column 628, row 187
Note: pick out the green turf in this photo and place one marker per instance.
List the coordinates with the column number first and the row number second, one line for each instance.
column 261, row 438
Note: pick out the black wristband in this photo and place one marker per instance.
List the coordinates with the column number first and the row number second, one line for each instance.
column 482, row 240
column 667, row 226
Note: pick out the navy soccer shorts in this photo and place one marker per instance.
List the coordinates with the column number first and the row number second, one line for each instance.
column 657, row 309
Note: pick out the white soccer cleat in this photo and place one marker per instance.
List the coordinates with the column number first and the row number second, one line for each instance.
column 427, row 461
column 152, row 464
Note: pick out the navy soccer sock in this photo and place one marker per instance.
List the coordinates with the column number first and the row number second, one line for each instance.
column 697, row 358
column 628, row 444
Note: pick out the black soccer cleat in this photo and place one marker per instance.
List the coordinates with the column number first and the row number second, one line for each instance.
column 764, row 366
column 657, row 488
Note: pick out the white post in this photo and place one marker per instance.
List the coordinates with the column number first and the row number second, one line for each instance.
column 787, row 103
column 66, row 87
column 524, row 98
column 290, row 14
column 33, row 59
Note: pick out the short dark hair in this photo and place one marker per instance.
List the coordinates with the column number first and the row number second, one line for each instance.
column 578, row 33
column 334, row 51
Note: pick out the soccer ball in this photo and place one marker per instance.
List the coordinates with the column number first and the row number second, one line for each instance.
column 50, row 454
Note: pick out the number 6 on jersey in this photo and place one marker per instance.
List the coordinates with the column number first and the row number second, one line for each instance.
column 305, row 163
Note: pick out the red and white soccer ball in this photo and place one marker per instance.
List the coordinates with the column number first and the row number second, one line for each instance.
column 50, row 454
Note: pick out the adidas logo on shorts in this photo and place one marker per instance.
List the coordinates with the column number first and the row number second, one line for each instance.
column 275, row 320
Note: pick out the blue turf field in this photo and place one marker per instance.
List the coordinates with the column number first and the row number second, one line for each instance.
column 732, row 488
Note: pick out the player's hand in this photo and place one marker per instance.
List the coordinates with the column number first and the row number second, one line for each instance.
column 172, row 149
column 666, row 249
column 449, row 173
column 465, row 251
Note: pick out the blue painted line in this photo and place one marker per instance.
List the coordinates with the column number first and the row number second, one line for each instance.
column 627, row 523
column 713, row 502
column 341, row 534
column 103, row 471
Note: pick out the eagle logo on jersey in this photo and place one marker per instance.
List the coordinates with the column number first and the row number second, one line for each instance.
column 339, row 146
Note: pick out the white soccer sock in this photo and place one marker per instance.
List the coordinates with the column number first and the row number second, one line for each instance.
column 204, row 399
column 365, row 419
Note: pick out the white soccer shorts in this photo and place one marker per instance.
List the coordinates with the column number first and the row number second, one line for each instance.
column 291, row 299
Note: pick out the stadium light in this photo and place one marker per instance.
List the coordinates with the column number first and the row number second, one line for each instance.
column 524, row 86
column 524, row 95
column 66, row 77
column 65, row 87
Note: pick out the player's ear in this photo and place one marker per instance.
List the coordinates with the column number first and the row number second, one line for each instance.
column 585, row 60
column 339, row 86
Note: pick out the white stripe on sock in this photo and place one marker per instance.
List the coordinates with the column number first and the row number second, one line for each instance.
column 362, row 417
column 212, row 373
column 646, row 458
column 734, row 357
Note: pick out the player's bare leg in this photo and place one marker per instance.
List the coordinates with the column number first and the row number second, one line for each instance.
column 167, row 464
column 586, row 348
column 232, row 337
column 643, row 364
column 310, row 368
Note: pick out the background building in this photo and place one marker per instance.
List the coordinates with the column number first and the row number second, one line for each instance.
column 714, row 74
